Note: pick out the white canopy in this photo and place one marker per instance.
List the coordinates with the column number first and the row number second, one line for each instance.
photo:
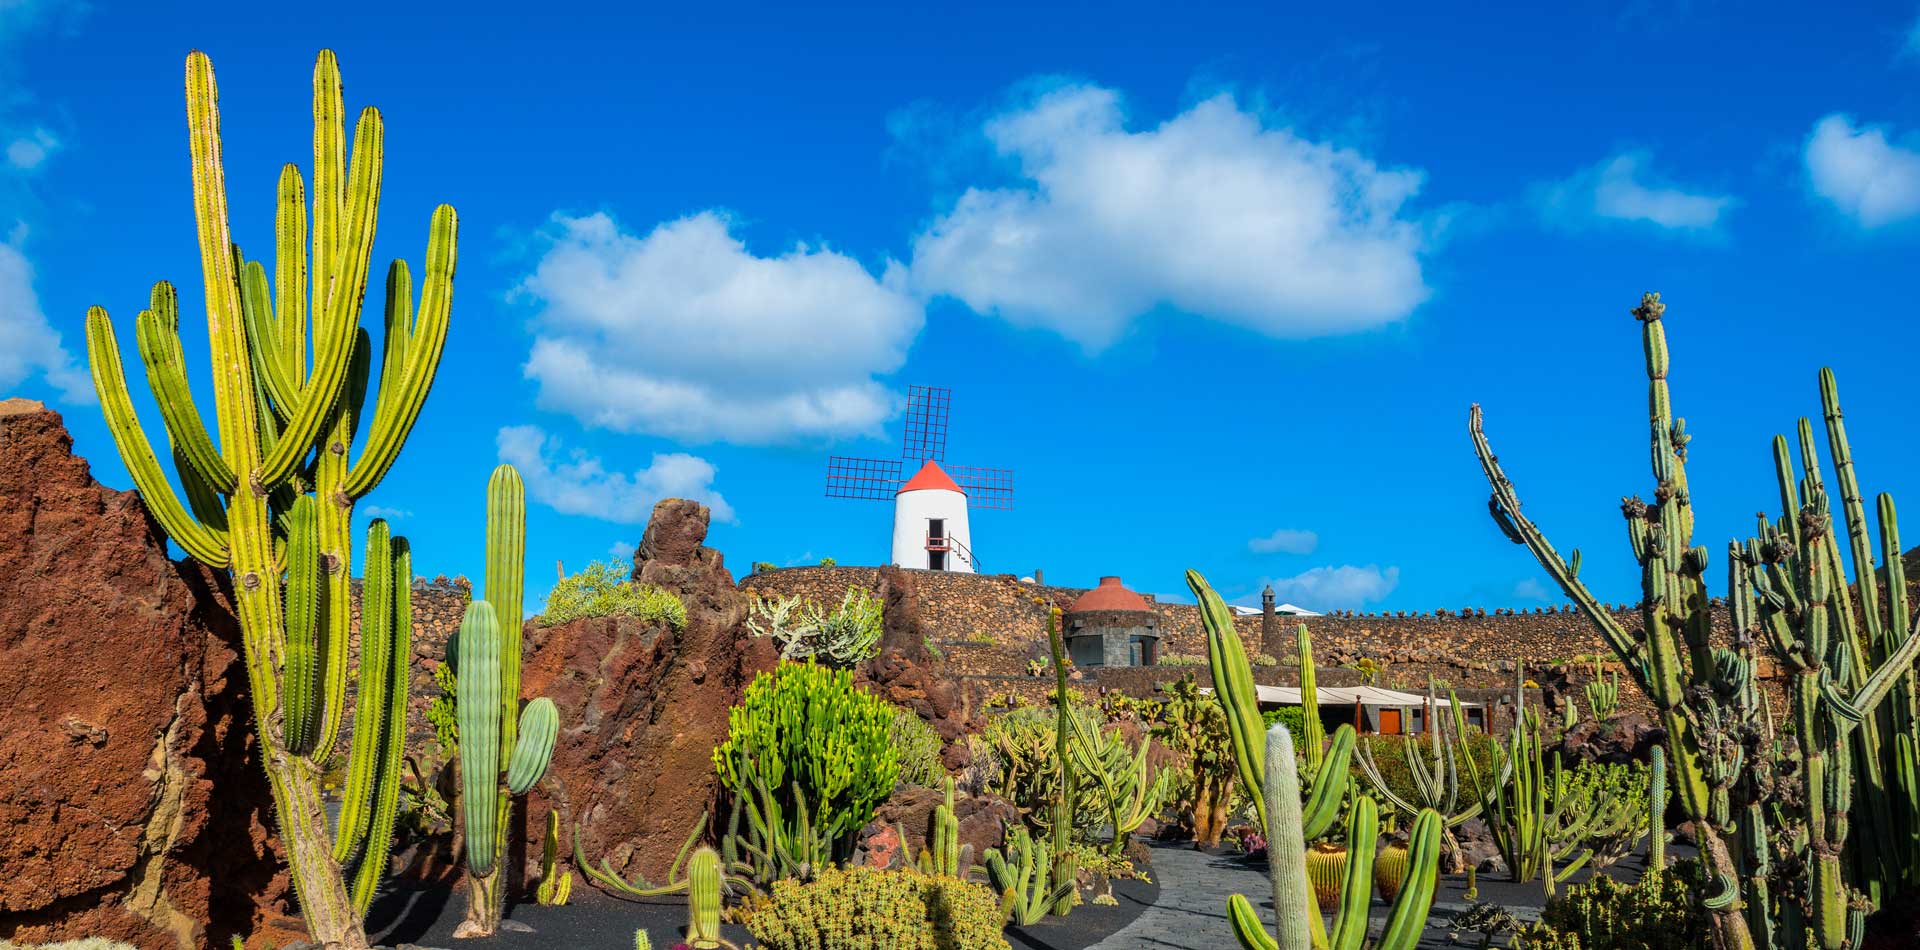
column 1368, row 696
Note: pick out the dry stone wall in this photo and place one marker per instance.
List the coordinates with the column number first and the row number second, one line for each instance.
column 992, row 629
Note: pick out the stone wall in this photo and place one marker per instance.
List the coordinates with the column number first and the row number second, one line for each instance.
column 437, row 607
column 990, row 628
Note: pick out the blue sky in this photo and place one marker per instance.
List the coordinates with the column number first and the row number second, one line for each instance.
column 1219, row 286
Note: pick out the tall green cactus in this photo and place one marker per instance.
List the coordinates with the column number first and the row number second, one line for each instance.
column 1294, row 908
column 272, row 501
column 1850, row 669
column 1121, row 775
column 498, row 739
column 944, row 855
column 1065, row 869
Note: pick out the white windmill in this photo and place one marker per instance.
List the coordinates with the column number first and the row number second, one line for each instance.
column 930, row 527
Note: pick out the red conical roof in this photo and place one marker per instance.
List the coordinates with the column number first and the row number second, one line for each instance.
column 1110, row 595
column 930, row 477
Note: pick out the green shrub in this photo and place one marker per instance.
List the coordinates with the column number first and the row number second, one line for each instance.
column 603, row 589
column 868, row 909
column 1181, row 659
column 1294, row 717
column 1660, row 912
column 806, row 732
column 828, row 562
column 443, row 711
column 919, row 748
column 760, row 567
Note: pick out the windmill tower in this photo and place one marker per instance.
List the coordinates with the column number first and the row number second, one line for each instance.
column 930, row 525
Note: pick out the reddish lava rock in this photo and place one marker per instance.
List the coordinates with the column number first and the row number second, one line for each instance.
column 904, row 672
column 642, row 706
column 134, row 806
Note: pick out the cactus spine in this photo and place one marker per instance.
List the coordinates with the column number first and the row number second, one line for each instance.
column 272, row 501
column 1294, row 906
column 497, row 738
column 1851, row 680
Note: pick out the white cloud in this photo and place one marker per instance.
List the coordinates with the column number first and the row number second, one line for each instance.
column 28, row 344
column 576, row 483
column 27, row 152
column 1285, row 540
column 1212, row 212
column 1531, row 589
column 382, row 511
column 1625, row 188
column 1867, row 177
column 1346, row 586
column 621, row 550
column 684, row 333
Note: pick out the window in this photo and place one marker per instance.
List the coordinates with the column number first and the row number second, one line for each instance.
column 936, row 529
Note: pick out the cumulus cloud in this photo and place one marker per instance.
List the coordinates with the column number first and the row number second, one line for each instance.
column 682, row 332
column 1212, row 212
column 1346, row 586
column 1285, row 541
column 621, row 550
column 575, row 483
column 28, row 151
column 1625, row 188
column 28, row 344
column 1862, row 173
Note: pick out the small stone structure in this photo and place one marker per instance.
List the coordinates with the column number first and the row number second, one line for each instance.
column 1111, row 626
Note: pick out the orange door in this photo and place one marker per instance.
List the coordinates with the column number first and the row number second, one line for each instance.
column 1389, row 722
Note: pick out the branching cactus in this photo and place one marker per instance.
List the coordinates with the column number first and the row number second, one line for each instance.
column 1603, row 694
column 498, row 739
column 1122, row 774
column 1294, row 908
column 270, row 500
column 1851, row 756
column 1023, row 877
column 1435, row 778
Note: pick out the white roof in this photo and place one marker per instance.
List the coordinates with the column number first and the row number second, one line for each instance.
column 1372, row 696
column 1295, row 611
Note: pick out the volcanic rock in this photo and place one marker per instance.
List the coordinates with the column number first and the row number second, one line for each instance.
column 906, row 673
column 642, row 706
column 134, row 804
column 983, row 823
column 1629, row 737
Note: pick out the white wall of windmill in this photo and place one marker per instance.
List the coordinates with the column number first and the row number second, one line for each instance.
column 932, row 513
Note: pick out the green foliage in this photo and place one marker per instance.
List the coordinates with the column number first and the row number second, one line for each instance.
column 1120, row 776
column 919, row 748
column 761, row 567
column 807, row 759
column 1022, row 876
column 804, row 630
column 1192, row 724
column 867, row 909
column 604, row 589
column 1181, row 659
column 443, row 710
column 1660, row 912
column 1293, row 717
column 828, row 562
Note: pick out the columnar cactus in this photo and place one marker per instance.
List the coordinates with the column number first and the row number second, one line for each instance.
column 1603, row 694
column 272, row 501
column 498, row 739
column 1657, row 812
column 1065, row 869
column 1850, row 669
column 703, row 900
column 1294, row 907
column 944, row 855
column 1022, row 875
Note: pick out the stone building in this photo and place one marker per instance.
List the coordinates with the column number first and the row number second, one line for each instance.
column 1112, row 626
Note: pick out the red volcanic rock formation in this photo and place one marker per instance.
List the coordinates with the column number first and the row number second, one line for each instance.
column 642, row 705
column 904, row 672
column 133, row 805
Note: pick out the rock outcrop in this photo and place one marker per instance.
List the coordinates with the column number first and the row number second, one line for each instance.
column 983, row 821
column 133, row 803
column 907, row 673
column 642, row 705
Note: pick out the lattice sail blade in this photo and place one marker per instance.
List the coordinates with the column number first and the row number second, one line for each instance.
column 925, row 438
column 990, row 488
column 871, row 479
